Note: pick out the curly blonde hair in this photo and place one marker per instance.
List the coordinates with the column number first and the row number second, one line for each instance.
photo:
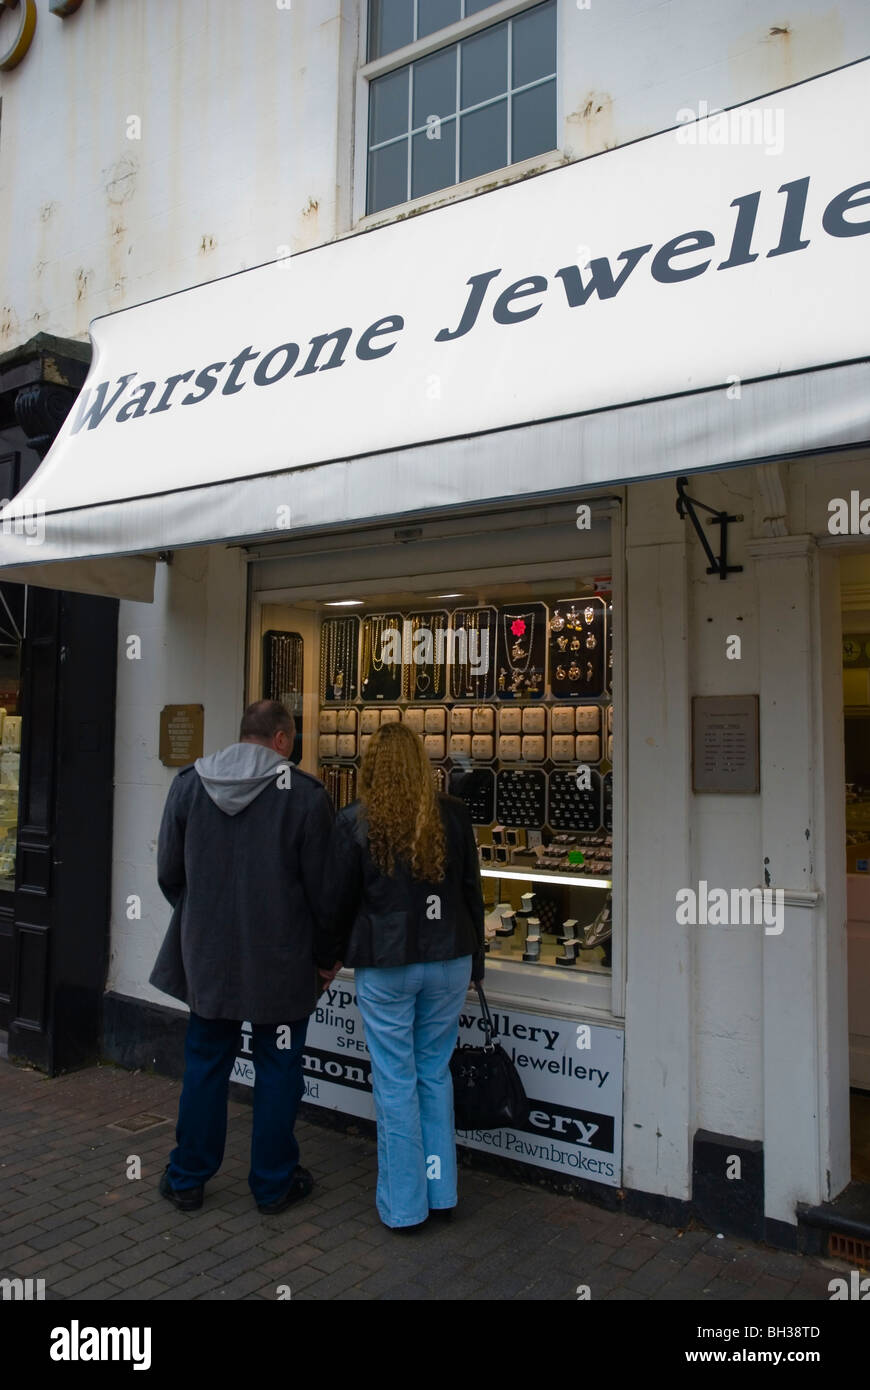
column 398, row 793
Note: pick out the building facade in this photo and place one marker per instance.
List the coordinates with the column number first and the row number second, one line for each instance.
column 353, row 160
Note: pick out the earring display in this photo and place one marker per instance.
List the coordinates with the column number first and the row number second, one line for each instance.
column 460, row 720
column 521, row 797
column 577, row 648
column 522, row 651
column 562, row 719
column 434, row 744
column 435, row 721
column 381, row 669
column 426, row 674
column 588, row 748
column 414, row 718
column 472, row 654
column 509, row 747
column 346, row 746
column 562, row 748
column 327, row 745
column 483, row 720
column 459, row 746
column 328, row 721
column 587, row 719
column 534, row 719
column 534, row 748
column 482, row 748
column 339, row 640
column 476, row 787
column 510, row 721
column 571, row 807
column 345, row 720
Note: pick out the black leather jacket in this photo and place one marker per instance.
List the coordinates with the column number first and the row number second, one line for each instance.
column 378, row 920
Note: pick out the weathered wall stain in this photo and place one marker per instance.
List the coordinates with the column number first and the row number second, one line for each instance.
column 590, row 128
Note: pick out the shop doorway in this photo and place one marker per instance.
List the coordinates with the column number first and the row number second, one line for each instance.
column 855, row 616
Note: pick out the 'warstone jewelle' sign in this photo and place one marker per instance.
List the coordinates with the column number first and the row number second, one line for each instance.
column 655, row 269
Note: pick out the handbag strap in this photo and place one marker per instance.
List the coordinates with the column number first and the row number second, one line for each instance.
column 488, row 1025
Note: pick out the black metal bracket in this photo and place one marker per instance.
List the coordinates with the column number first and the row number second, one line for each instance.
column 686, row 506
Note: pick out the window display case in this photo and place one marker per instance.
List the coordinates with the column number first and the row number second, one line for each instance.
column 513, row 702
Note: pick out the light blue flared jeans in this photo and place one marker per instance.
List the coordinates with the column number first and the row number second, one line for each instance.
column 411, row 1017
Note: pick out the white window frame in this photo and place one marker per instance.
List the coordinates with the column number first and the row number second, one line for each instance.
column 412, row 52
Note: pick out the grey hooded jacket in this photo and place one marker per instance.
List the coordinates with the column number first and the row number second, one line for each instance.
column 240, row 857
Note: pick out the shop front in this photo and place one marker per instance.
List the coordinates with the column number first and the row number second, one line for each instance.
column 437, row 473
column 499, row 641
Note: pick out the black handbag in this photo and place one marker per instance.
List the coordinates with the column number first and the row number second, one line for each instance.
column 487, row 1091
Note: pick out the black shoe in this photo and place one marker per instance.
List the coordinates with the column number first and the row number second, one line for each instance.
column 442, row 1213
column 408, row 1230
column 300, row 1187
column 187, row 1199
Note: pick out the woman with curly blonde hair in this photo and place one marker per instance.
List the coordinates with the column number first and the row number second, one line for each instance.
column 402, row 897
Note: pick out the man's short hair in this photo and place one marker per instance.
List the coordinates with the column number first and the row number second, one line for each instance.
column 264, row 718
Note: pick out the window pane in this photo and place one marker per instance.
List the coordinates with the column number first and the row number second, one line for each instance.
column 474, row 6
column 483, row 140
column 433, row 161
column 436, row 14
column 388, row 176
column 435, row 86
column 534, row 45
column 388, row 106
column 484, row 65
column 533, row 123
column 391, row 25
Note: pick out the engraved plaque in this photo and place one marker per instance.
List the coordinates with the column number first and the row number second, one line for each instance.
column 725, row 743
column 181, row 734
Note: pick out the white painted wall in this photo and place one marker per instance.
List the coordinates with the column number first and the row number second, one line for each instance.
column 736, row 1030
column 247, row 127
column 193, row 652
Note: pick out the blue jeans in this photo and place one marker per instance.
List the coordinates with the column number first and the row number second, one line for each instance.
column 210, row 1049
column 411, row 1017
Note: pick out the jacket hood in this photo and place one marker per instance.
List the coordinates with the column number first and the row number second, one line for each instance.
column 236, row 775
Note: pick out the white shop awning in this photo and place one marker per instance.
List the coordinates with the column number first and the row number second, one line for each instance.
column 691, row 301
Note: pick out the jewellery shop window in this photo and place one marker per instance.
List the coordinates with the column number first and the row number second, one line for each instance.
column 513, row 700
column 12, row 605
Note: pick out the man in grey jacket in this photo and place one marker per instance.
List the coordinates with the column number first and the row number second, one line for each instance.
column 240, row 857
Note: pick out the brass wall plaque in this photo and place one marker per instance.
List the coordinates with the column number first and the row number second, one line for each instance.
column 181, row 734
column 725, row 743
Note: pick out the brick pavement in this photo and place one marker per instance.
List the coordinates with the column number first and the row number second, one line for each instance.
column 70, row 1215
